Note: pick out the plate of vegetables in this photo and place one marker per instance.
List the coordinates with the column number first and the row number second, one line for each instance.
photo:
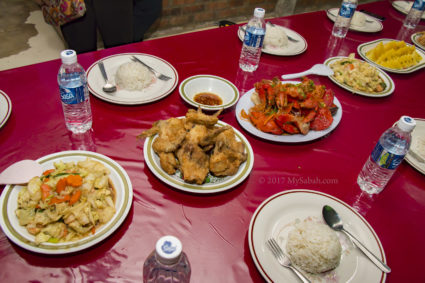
column 358, row 76
column 289, row 111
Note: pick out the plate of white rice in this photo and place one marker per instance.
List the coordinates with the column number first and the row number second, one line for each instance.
column 282, row 214
column 360, row 21
column 135, row 83
column 276, row 41
column 417, row 146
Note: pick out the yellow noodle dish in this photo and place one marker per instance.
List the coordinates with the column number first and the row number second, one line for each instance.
column 358, row 75
column 67, row 203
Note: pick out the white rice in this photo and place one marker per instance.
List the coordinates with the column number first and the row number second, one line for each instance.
column 275, row 37
column 359, row 19
column 133, row 76
column 314, row 247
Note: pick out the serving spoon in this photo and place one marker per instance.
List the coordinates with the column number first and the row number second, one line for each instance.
column 20, row 172
column 334, row 221
column 108, row 87
column 318, row 69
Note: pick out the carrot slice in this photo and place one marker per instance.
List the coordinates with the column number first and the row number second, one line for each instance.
column 74, row 180
column 47, row 172
column 45, row 191
column 61, row 185
column 59, row 200
column 75, row 197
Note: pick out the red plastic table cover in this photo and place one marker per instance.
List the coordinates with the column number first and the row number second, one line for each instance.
column 214, row 228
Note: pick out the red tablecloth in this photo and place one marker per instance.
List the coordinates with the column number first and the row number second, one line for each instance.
column 213, row 228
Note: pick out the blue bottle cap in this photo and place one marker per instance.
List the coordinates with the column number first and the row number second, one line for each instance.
column 168, row 249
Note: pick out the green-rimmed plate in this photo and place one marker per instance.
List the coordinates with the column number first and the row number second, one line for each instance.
column 213, row 184
column 389, row 83
column 415, row 37
column 362, row 49
column 19, row 235
column 221, row 87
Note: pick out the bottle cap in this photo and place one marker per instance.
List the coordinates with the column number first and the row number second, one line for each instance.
column 406, row 123
column 69, row 56
column 259, row 12
column 168, row 249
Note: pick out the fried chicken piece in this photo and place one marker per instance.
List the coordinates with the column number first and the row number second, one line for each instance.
column 197, row 117
column 194, row 163
column 171, row 134
column 203, row 136
column 168, row 162
column 228, row 154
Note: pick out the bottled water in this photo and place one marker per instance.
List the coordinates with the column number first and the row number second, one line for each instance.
column 74, row 93
column 386, row 156
column 253, row 41
column 415, row 14
column 167, row 263
column 343, row 20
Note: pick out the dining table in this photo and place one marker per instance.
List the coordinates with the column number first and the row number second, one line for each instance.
column 215, row 228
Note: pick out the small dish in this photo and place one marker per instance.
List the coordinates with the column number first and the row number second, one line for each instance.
column 415, row 38
column 224, row 89
column 371, row 24
column 404, row 7
column 418, row 138
column 5, row 108
column 293, row 48
column 389, row 83
column 362, row 49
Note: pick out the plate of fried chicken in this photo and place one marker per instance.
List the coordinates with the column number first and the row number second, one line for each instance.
column 197, row 153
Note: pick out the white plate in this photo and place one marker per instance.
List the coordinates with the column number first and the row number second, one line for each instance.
column 216, row 184
column 365, row 47
column 227, row 91
column 414, row 37
column 418, row 138
column 389, row 89
column 372, row 24
column 404, row 7
column 154, row 92
column 19, row 235
column 274, row 218
column 246, row 103
column 5, row 108
column 293, row 48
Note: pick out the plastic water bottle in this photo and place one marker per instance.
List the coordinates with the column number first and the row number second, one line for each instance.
column 343, row 20
column 415, row 14
column 253, row 41
column 74, row 93
column 388, row 153
column 167, row 263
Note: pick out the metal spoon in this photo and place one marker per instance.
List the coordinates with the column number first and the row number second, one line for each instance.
column 20, row 172
column 334, row 221
column 318, row 69
column 108, row 87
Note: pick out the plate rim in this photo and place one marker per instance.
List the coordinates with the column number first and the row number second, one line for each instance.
column 183, row 95
column 193, row 188
column 82, row 244
column 265, row 202
column 353, row 27
column 410, row 159
column 370, row 44
column 413, row 38
column 283, row 138
column 382, row 74
column 4, row 119
column 111, row 99
column 271, row 52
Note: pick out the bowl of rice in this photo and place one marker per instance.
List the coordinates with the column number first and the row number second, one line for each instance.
column 133, row 76
column 314, row 247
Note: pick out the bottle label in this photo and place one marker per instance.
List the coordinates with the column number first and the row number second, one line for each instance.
column 384, row 158
column 73, row 95
column 419, row 5
column 253, row 38
column 347, row 10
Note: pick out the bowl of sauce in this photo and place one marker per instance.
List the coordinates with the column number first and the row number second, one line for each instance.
column 209, row 92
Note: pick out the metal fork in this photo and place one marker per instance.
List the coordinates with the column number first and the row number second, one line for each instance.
column 283, row 259
column 156, row 73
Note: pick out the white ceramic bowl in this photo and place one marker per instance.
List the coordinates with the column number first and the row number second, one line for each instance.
column 226, row 90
